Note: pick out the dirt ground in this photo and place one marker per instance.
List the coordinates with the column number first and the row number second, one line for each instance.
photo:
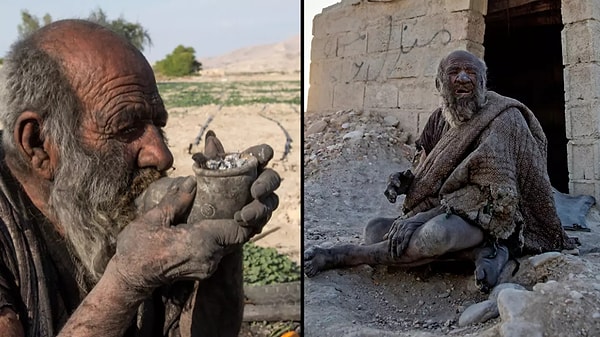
column 239, row 127
column 344, row 178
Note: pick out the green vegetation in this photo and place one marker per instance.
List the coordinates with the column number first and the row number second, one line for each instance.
column 181, row 62
column 265, row 266
column 185, row 94
column 1, row 61
column 133, row 32
column 30, row 23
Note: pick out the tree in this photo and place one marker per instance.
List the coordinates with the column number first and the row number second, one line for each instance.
column 181, row 62
column 133, row 32
column 30, row 23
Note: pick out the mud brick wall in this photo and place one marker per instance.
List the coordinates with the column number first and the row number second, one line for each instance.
column 581, row 59
column 382, row 56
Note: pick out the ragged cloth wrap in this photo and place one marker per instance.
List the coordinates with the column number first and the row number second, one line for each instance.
column 492, row 172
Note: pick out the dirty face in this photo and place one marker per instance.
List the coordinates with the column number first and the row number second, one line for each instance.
column 119, row 149
column 461, row 81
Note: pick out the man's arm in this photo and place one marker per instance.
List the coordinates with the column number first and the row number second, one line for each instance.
column 107, row 310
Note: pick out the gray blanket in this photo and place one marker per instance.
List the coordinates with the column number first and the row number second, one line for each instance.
column 492, row 172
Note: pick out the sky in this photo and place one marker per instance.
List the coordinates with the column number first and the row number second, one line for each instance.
column 311, row 8
column 211, row 27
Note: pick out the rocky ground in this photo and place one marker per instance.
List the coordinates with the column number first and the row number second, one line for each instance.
column 348, row 157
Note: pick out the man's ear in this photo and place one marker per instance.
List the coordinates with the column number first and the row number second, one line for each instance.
column 37, row 151
column 437, row 84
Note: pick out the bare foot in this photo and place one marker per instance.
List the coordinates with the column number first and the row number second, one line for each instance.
column 315, row 260
column 488, row 266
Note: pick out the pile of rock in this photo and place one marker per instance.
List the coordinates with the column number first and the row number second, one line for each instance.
column 351, row 134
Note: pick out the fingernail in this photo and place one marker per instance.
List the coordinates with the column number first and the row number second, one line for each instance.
column 189, row 185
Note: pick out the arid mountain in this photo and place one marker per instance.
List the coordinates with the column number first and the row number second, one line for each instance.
column 277, row 57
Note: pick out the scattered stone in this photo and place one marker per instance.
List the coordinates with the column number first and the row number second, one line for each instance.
column 316, row 127
column 497, row 289
column 345, row 125
column 390, row 121
column 353, row 135
column 538, row 260
column 479, row 313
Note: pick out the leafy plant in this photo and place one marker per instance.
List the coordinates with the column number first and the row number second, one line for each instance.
column 265, row 266
column 181, row 62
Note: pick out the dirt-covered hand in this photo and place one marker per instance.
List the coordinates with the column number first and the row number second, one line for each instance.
column 398, row 184
column 399, row 235
column 154, row 249
column 258, row 212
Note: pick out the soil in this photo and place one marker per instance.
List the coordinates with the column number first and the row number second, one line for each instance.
column 344, row 180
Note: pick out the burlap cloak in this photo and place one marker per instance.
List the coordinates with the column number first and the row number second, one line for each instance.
column 492, row 172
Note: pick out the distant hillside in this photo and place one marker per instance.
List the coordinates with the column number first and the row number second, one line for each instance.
column 277, row 57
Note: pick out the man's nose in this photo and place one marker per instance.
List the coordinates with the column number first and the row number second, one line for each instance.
column 463, row 77
column 154, row 151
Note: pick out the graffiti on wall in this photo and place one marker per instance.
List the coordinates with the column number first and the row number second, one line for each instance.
column 396, row 47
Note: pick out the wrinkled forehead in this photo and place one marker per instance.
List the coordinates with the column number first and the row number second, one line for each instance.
column 91, row 52
column 462, row 59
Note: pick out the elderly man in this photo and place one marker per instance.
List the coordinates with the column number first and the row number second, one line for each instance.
column 82, row 139
column 480, row 192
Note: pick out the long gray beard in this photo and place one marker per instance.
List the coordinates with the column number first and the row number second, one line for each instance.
column 92, row 199
column 458, row 111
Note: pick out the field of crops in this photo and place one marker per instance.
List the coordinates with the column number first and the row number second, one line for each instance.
column 229, row 93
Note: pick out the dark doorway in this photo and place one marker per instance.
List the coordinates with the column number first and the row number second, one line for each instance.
column 524, row 58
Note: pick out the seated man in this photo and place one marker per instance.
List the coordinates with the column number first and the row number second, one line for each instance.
column 82, row 139
column 480, row 192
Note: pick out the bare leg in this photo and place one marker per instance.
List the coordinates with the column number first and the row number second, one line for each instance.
column 441, row 235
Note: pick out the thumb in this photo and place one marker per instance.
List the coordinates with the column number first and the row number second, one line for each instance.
column 263, row 152
column 175, row 204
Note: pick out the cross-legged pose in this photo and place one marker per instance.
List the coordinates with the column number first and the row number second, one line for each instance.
column 480, row 191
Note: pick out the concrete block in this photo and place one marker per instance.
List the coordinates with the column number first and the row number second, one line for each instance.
column 413, row 34
column 338, row 20
column 407, row 65
column 583, row 160
column 417, row 94
column 325, row 72
column 582, row 83
column 353, row 68
column 583, row 120
column 581, row 42
column 349, row 96
column 400, row 10
column 579, row 10
column 323, row 48
column 586, row 187
column 479, row 6
column 466, row 25
column 320, row 98
column 381, row 95
column 351, row 43
column 379, row 35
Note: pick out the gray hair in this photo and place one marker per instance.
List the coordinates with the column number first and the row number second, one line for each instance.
column 32, row 80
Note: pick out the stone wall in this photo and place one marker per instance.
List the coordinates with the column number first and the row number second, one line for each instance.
column 581, row 58
column 381, row 56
